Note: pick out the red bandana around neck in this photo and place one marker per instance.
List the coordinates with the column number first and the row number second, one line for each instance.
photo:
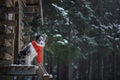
column 39, row 51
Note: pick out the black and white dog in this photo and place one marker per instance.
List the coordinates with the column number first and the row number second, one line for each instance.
column 28, row 54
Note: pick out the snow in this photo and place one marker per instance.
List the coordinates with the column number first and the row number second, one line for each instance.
column 117, row 9
column 110, row 37
column 57, row 35
column 21, row 65
column 61, row 0
column 63, row 42
column 96, row 27
column 117, row 39
column 72, row 2
column 118, row 29
column 108, row 13
column 63, row 12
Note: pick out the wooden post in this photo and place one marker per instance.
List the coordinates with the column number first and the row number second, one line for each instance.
column 41, row 12
column 43, row 73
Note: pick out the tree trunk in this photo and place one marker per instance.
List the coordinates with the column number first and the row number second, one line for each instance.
column 100, row 66
column 90, row 67
column 58, row 72
column 114, row 66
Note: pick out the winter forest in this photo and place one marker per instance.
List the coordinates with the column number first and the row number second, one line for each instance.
column 83, row 40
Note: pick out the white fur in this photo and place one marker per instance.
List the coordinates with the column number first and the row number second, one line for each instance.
column 29, row 58
column 33, row 54
column 30, row 55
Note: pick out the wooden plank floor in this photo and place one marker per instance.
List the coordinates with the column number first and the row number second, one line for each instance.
column 19, row 70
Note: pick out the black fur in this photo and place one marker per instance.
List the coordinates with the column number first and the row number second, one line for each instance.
column 26, row 51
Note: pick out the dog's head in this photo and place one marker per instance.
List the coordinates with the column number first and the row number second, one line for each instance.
column 40, row 39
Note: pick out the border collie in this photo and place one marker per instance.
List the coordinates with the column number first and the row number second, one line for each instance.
column 31, row 51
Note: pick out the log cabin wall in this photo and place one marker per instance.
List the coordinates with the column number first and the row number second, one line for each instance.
column 13, row 16
column 7, row 29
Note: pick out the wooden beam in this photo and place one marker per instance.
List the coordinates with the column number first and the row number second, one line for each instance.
column 11, row 10
column 6, row 49
column 2, row 29
column 41, row 11
column 9, row 3
column 35, row 4
column 20, row 3
column 24, row 2
column 2, row 42
column 7, row 36
column 9, row 22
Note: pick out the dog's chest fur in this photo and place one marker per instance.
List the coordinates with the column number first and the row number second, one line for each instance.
column 27, row 55
column 29, row 58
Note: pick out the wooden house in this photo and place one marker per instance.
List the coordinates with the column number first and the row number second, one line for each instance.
column 13, row 15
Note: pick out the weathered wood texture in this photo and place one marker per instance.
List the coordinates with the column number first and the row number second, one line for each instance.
column 20, row 22
column 10, row 10
column 6, row 49
column 7, row 36
column 8, row 22
column 19, row 70
column 25, row 70
column 7, row 25
column 11, row 39
column 43, row 73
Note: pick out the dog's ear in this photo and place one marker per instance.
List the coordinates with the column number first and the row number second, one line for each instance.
column 37, row 37
column 44, row 36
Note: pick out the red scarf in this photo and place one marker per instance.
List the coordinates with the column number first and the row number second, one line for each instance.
column 38, row 50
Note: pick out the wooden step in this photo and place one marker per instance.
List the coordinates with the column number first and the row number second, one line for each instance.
column 11, row 10
column 17, row 70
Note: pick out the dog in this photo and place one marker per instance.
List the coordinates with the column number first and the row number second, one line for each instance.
column 32, row 51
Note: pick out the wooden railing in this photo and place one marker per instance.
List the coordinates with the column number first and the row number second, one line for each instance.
column 43, row 73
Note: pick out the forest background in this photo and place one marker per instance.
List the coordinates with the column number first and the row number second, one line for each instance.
column 83, row 38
